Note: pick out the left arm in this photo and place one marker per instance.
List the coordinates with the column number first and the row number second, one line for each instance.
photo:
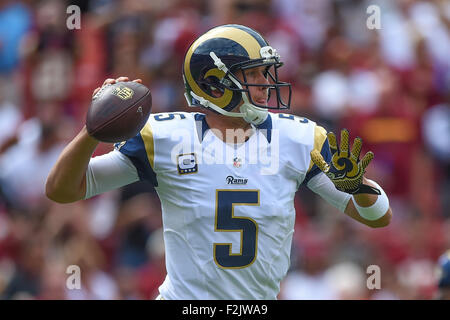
column 321, row 185
column 367, row 200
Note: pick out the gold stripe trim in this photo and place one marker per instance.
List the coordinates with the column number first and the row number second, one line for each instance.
column 320, row 135
column 147, row 137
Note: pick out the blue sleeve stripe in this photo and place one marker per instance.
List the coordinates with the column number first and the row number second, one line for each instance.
column 201, row 125
column 326, row 152
column 135, row 150
column 266, row 128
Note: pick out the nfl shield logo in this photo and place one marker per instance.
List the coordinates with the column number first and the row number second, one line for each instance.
column 123, row 93
column 237, row 162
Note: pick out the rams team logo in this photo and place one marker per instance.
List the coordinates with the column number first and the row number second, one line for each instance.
column 233, row 180
column 187, row 163
column 123, row 93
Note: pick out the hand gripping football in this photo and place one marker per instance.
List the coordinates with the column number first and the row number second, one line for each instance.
column 118, row 111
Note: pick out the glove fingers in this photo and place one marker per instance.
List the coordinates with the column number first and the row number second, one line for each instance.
column 344, row 143
column 332, row 142
column 366, row 160
column 356, row 149
column 318, row 160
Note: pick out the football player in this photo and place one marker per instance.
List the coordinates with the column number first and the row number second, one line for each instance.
column 227, row 177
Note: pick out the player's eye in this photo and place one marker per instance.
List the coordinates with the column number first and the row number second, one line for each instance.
column 251, row 73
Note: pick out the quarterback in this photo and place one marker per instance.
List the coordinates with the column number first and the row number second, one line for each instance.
column 227, row 177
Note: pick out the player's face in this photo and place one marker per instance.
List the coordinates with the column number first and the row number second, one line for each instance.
column 256, row 75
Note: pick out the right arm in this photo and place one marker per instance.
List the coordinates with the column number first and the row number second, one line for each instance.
column 67, row 179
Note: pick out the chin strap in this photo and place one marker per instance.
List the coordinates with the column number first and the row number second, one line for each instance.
column 210, row 105
column 251, row 113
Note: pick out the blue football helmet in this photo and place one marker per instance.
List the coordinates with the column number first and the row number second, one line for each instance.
column 212, row 63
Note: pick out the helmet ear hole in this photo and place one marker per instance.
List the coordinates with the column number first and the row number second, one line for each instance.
column 212, row 86
column 216, row 93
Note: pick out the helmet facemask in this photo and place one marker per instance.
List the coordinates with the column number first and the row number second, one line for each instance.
column 279, row 93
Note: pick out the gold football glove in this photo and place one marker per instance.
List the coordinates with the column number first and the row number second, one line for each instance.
column 345, row 169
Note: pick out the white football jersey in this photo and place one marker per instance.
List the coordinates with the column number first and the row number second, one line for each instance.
column 228, row 210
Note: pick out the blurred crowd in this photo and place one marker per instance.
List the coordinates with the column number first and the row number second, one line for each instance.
column 390, row 86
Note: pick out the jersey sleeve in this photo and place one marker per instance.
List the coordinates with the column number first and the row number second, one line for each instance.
column 140, row 150
column 322, row 185
column 320, row 144
column 107, row 172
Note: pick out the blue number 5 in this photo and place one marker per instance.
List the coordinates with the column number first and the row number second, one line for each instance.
column 225, row 221
column 170, row 116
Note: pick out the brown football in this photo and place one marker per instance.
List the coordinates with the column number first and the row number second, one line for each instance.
column 118, row 111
